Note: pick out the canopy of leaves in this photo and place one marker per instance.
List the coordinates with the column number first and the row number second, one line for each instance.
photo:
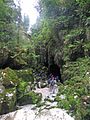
column 8, row 21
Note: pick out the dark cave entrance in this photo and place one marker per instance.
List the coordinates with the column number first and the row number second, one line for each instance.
column 55, row 70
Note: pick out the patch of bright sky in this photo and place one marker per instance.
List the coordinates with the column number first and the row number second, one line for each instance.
column 28, row 8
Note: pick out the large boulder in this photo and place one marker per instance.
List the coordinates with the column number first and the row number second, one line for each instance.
column 7, row 99
column 42, row 114
column 9, row 78
column 13, row 58
column 16, row 87
column 25, row 95
column 30, row 98
column 16, row 63
column 8, row 83
column 2, row 90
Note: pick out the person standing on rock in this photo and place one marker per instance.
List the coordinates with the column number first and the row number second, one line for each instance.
column 52, row 84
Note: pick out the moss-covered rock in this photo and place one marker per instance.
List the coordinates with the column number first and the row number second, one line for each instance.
column 21, row 89
column 25, row 95
column 8, row 83
column 7, row 100
column 25, row 86
column 26, row 75
column 10, row 97
column 2, row 95
column 17, row 62
column 8, row 78
column 30, row 98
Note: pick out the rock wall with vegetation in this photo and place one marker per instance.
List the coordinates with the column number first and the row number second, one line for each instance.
column 15, row 89
column 60, row 36
column 63, row 34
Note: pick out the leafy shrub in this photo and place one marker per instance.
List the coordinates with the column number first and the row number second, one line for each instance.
column 30, row 98
column 26, row 75
column 76, row 89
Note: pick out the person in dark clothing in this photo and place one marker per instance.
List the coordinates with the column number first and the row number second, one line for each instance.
column 51, row 83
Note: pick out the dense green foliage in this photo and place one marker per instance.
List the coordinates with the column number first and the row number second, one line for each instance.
column 8, row 18
column 61, row 35
column 76, row 90
column 63, row 30
column 15, row 89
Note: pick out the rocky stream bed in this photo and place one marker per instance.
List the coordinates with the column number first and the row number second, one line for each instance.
column 48, row 110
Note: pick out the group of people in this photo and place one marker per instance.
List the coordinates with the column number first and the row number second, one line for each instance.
column 52, row 80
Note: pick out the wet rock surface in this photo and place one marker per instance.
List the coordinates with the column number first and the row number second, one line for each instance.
column 47, row 111
column 26, row 113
